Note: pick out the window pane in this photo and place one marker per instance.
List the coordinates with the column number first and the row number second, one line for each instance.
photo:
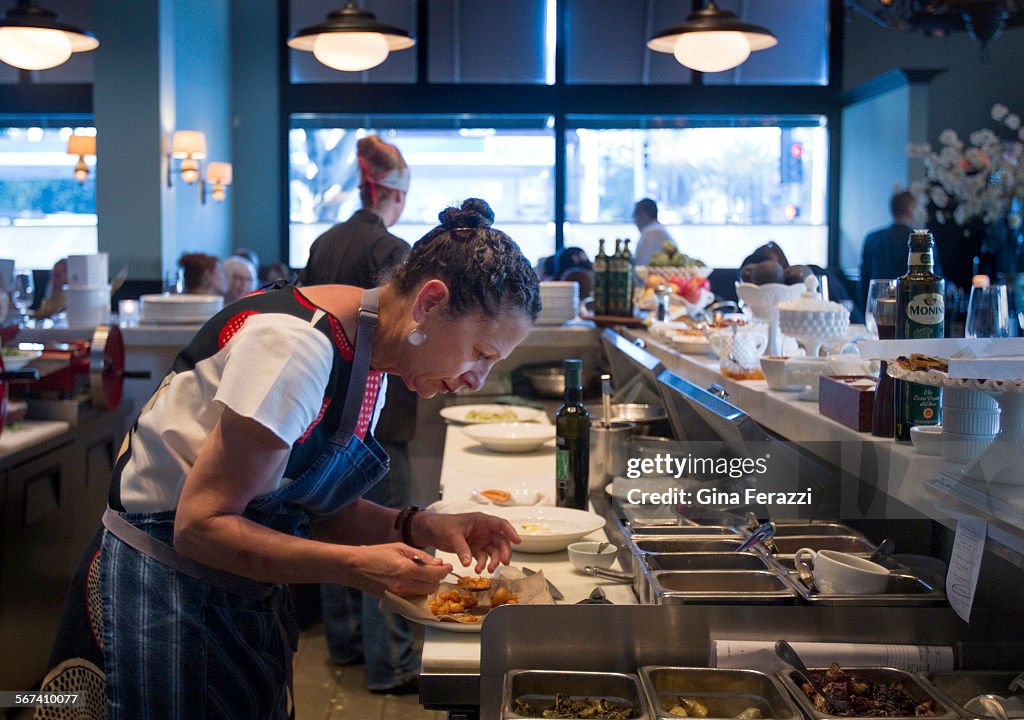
column 723, row 187
column 44, row 213
column 399, row 67
column 506, row 161
column 491, row 41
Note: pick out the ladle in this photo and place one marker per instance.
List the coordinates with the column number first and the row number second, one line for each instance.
column 883, row 551
column 993, row 705
column 785, row 651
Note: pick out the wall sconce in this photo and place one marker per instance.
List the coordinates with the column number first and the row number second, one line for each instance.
column 31, row 38
column 188, row 146
column 351, row 39
column 218, row 174
column 81, row 145
column 712, row 40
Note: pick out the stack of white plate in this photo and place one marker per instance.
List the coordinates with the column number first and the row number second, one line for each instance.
column 179, row 309
column 560, row 301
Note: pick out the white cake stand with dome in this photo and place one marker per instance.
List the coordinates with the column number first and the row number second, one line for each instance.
column 1002, row 462
column 813, row 320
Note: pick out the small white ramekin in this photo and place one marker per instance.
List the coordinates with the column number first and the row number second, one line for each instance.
column 963, row 449
column 970, row 422
column 967, row 399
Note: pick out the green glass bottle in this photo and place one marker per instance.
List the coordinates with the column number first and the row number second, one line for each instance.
column 615, row 280
column 627, row 279
column 601, row 280
column 572, row 442
column 920, row 314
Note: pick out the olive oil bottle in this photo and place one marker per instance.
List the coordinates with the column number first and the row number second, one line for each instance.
column 572, row 442
column 626, row 268
column 920, row 314
column 615, row 280
column 601, row 280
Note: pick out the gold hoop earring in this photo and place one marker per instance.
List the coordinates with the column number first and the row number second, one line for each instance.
column 416, row 337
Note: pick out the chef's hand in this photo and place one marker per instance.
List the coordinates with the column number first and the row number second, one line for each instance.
column 472, row 536
column 398, row 568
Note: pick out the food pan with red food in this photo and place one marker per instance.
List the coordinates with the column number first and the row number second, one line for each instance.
column 876, row 692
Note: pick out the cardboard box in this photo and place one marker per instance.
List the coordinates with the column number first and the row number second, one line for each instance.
column 848, row 399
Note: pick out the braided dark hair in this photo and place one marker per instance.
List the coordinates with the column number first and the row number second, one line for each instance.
column 484, row 269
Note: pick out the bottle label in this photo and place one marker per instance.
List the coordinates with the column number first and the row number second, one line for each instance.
column 922, row 404
column 926, row 309
column 920, row 258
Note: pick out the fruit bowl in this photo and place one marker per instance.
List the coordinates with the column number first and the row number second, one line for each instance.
column 764, row 301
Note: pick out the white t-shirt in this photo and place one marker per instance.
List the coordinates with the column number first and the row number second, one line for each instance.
column 274, row 370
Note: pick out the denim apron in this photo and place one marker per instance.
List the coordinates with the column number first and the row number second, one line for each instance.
column 195, row 642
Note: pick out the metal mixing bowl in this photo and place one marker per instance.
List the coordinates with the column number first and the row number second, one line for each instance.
column 547, row 382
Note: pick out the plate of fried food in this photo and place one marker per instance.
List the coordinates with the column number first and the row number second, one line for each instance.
column 462, row 606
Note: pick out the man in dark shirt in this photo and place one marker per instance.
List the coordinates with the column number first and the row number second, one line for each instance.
column 885, row 251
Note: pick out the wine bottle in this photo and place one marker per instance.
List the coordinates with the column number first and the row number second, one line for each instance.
column 920, row 313
column 627, row 279
column 615, row 280
column 572, row 442
column 601, row 280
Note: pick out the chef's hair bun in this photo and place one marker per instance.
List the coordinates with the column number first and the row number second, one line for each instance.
column 473, row 213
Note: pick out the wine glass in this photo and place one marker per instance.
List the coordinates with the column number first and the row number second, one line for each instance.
column 877, row 288
column 23, row 292
column 988, row 313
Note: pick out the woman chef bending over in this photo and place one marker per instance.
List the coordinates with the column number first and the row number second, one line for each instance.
column 244, row 472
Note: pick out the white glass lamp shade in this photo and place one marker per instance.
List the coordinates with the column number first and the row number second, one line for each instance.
column 350, row 51
column 188, row 144
column 32, row 48
column 712, row 51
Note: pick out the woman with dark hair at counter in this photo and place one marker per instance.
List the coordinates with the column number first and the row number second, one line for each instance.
column 245, row 470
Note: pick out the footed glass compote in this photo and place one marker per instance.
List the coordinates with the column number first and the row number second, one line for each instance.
column 764, row 301
column 813, row 320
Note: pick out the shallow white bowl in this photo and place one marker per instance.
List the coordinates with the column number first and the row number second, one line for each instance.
column 582, row 554
column 970, row 422
column 927, row 439
column 15, row 359
column 546, row 529
column 511, row 437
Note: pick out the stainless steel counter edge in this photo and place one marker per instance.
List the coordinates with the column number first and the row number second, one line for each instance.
column 928, row 485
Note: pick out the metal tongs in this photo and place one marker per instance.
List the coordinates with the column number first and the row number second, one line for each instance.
column 760, row 533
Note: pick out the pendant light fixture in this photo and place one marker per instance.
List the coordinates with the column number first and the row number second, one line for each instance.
column 351, row 39
column 31, row 38
column 712, row 40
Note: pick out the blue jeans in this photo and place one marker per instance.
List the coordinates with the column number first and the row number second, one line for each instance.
column 355, row 625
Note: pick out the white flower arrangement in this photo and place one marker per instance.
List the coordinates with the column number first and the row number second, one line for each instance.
column 983, row 180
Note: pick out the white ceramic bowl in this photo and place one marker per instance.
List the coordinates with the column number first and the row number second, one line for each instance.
column 511, row 437
column 963, row 448
column 545, row 529
column 774, row 369
column 15, row 359
column 582, row 554
column 967, row 399
column 970, row 422
column 927, row 439
column 764, row 299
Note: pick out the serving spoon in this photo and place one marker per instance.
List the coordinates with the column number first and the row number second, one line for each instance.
column 785, row 651
column 993, row 705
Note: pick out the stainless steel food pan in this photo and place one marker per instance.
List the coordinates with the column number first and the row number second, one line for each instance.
column 705, row 561
column 903, row 589
column 787, row 528
column 725, row 693
column 687, row 531
column 718, row 587
column 538, row 688
column 956, row 687
column 918, row 690
column 855, row 544
column 663, row 544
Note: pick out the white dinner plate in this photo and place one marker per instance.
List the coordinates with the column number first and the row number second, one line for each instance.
column 545, row 529
column 15, row 359
column 505, row 413
column 511, row 437
column 447, row 626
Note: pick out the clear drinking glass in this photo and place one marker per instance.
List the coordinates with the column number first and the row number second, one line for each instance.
column 877, row 288
column 23, row 291
column 988, row 313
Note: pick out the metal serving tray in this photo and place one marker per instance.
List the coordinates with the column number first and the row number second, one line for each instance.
column 720, row 587
column 725, row 693
column 956, row 687
column 539, row 687
column 916, row 687
column 856, row 544
column 903, row 589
